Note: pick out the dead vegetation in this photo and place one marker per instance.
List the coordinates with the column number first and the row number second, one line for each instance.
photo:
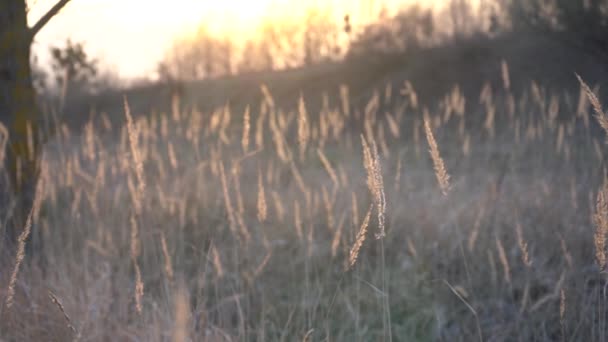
column 209, row 226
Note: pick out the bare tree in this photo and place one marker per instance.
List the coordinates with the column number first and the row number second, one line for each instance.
column 410, row 29
column 461, row 17
column 320, row 37
column 201, row 56
column 257, row 56
column 74, row 70
column 18, row 110
column 283, row 40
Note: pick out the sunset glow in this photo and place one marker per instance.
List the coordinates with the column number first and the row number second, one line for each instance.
column 131, row 36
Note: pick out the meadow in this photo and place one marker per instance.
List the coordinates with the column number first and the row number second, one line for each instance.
column 477, row 218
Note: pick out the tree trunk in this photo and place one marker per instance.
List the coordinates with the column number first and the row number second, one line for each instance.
column 18, row 112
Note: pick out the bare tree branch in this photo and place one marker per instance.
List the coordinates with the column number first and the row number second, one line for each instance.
column 47, row 17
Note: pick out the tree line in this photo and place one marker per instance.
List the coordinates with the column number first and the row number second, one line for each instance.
column 320, row 37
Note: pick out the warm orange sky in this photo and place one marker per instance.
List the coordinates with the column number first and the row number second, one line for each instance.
column 130, row 36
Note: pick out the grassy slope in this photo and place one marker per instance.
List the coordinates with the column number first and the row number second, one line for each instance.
column 433, row 72
column 287, row 279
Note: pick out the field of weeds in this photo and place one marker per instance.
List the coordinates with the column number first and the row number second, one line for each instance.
column 470, row 219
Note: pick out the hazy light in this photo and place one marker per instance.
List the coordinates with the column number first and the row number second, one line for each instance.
column 131, row 36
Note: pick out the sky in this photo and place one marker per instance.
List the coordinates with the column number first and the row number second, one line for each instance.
column 130, row 37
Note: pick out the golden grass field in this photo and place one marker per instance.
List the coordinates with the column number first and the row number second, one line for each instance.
column 477, row 219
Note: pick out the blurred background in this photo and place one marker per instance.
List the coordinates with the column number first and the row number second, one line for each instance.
column 134, row 36
column 98, row 46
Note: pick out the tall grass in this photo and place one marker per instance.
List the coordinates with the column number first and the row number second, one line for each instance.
column 260, row 228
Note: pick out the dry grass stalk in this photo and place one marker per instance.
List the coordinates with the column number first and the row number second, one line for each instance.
column 259, row 131
column 262, row 207
column 600, row 116
column 217, row 262
column 172, row 157
column 355, row 208
column 408, row 90
column 368, row 164
column 164, row 127
column 466, row 145
column 553, row 295
column 135, row 153
column 381, row 198
column 22, row 240
column 382, row 140
column 307, row 337
column 267, row 96
column 475, row 231
column 227, row 202
column 583, row 103
column 328, row 168
column 329, row 208
column 525, row 298
column 76, row 202
column 243, row 227
column 240, row 203
column 335, row 243
column 279, row 141
column 523, row 245
column 397, row 182
column 226, row 117
column 344, row 97
column 412, row 248
column 461, row 294
column 61, row 308
column 492, row 263
column 298, row 220
column 4, row 136
column 375, row 182
column 278, row 206
column 388, row 92
column 300, row 183
column 29, row 133
column 303, row 127
column 135, row 251
column 182, row 315
column 323, row 128
column 443, row 178
column 503, row 260
column 105, row 122
column 506, row 80
column 537, row 94
column 553, row 111
column 215, row 122
column 167, row 256
column 490, row 122
column 486, row 93
column 565, row 251
column 89, row 144
column 600, row 219
column 393, row 125
column 246, row 130
column 360, row 238
column 262, row 265
column 175, row 107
